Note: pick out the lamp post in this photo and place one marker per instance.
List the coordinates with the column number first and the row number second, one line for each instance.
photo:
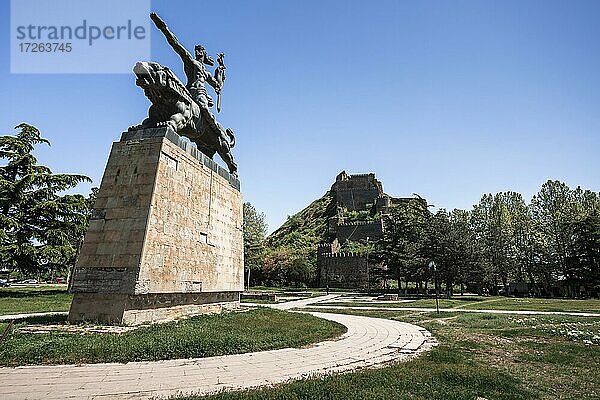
column 433, row 267
column 368, row 276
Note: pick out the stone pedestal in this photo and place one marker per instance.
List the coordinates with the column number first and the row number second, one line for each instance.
column 165, row 239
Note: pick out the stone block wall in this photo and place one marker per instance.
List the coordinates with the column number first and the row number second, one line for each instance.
column 342, row 270
column 166, row 231
column 356, row 231
column 356, row 192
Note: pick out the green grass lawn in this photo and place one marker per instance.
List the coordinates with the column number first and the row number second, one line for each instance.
column 30, row 299
column 203, row 336
column 314, row 290
column 496, row 357
column 489, row 303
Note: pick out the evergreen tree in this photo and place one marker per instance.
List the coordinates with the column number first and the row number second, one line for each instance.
column 38, row 225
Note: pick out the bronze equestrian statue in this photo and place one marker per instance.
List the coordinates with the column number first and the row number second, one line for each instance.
column 186, row 109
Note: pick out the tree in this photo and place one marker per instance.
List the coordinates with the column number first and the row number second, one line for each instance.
column 502, row 227
column 255, row 231
column 89, row 202
column 297, row 255
column 285, row 266
column 463, row 254
column 449, row 241
column 583, row 262
column 556, row 209
column 400, row 247
column 38, row 225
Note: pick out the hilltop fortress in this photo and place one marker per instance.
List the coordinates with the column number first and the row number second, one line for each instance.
column 360, row 204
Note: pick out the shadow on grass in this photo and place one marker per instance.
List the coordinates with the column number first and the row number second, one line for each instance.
column 44, row 319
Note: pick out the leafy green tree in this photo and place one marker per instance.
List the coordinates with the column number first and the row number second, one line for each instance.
column 464, row 255
column 255, row 231
column 38, row 225
column 400, row 247
column 285, row 266
column 434, row 246
column 300, row 267
column 449, row 241
column 552, row 207
column 583, row 262
column 555, row 210
column 502, row 224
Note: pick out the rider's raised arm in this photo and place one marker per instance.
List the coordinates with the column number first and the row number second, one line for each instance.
column 171, row 39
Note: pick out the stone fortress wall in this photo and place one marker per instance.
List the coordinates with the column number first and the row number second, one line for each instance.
column 344, row 270
column 356, row 192
column 359, row 230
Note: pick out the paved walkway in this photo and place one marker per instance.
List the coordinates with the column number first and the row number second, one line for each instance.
column 288, row 305
column 457, row 310
column 368, row 342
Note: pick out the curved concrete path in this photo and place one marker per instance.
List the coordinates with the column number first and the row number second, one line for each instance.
column 369, row 342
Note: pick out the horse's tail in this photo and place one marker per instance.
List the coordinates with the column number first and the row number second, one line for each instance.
column 231, row 137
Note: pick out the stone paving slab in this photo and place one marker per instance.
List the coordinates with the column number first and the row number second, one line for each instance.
column 369, row 342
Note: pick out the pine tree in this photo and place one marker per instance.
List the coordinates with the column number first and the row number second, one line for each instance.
column 38, row 225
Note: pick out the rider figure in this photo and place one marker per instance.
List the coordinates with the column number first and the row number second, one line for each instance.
column 197, row 75
column 195, row 71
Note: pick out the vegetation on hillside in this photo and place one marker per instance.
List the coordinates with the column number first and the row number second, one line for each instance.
column 291, row 258
column 549, row 247
column 311, row 223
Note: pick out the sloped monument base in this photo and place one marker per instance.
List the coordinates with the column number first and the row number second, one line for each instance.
column 165, row 238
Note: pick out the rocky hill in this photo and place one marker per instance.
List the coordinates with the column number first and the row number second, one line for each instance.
column 351, row 199
column 307, row 227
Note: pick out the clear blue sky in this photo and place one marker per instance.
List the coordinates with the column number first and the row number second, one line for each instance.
column 448, row 99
